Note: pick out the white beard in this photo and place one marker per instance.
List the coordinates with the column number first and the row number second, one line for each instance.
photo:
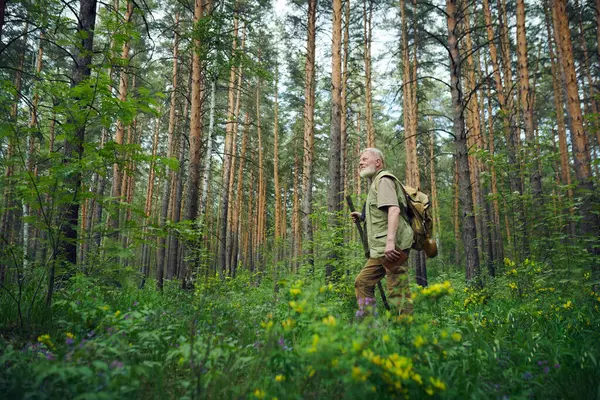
column 368, row 172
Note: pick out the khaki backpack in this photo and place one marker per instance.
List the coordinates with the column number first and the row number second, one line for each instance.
column 419, row 216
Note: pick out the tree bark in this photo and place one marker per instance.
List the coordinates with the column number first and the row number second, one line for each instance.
column 227, row 157
column 309, row 126
column 166, row 190
column 73, row 146
column 579, row 139
column 460, row 137
column 334, row 191
column 527, row 103
column 195, row 138
column 367, row 18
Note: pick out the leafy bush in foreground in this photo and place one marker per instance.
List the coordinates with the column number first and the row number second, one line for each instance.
column 531, row 333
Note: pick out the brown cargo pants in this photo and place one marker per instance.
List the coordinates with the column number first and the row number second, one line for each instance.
column 398, row 290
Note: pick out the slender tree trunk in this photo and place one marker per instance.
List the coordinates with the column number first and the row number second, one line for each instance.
column 296, row 229
column 73, row 146
column 469, row 230
column 497, row 228
column 579, row 137
column 344, row 104
column 474, row 142
column 227, row 161
column 565, row 168
column 262, row 197
column 456, row 213
column 278, row 222
column 166, row 191
column 239, row 194
column 29, row 160
column 334, row 201
column 120, row 132
column 195, row 138
column 309, row 126
column 367, row 18
column 527, row 102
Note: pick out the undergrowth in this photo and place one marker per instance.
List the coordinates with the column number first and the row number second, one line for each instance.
column 530, row 333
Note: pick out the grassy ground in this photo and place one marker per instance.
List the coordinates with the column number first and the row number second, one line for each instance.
column 531, row 333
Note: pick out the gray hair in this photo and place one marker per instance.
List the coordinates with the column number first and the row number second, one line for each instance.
column 376, row 152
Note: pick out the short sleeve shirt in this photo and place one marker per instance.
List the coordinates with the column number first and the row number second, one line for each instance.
column 386, row 193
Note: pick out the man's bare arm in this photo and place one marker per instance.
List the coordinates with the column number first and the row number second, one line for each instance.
column 391, row 254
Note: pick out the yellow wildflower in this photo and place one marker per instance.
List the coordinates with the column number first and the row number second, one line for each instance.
column 513, row 286
column 280, row 378
column 429, row 391
column 329, row 321
column 568, row 305
column 288, row 324
column 456, row 337
column 259, row 394
column 315, row 342
column 70, row 335
column 104, row 308
column 311, row 371
column 386, row 338
column 295, row 291
column 437, row 383
column 117, row 313
column 358, row 375
column 419, row 341
column 417, row 378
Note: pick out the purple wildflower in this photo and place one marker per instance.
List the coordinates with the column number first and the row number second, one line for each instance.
column 557, row 365
column 116, row 364
column 546, row 369
column 50, row 356
column 527, row 375
column 135, row 303
column 69, row 341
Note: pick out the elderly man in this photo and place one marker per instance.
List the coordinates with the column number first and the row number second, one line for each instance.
column 389, row 235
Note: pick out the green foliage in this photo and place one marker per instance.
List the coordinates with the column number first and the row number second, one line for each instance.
column 532, row 332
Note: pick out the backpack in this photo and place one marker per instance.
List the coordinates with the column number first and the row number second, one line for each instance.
column 419, row 216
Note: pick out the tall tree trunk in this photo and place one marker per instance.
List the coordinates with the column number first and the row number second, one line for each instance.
column 460, row 137
column 309, row 127
column 73, row 146
column 474, row 142
column 278, row 222
column 239, row 194
column 556, row 71
column 367, row 18
column 262, row 192
column 195, row 138
column 7, row 217
column 334, row 201
column 166, row 191
column 496, row 226
column 579, row 139
column 456, row 213
column 227, row 157
column 120, row 131
column 527, row 103
column 296, row 229
column 29, row 159
column 344, row 100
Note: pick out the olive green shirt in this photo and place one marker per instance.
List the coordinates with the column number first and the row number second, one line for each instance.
column 384, row 192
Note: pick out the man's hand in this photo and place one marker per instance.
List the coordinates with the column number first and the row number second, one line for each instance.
column 391, row 254
column 355, row 216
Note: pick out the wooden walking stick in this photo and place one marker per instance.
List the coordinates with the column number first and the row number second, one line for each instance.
column 363, row 239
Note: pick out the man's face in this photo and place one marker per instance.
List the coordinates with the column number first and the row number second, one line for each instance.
column 369, row 164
